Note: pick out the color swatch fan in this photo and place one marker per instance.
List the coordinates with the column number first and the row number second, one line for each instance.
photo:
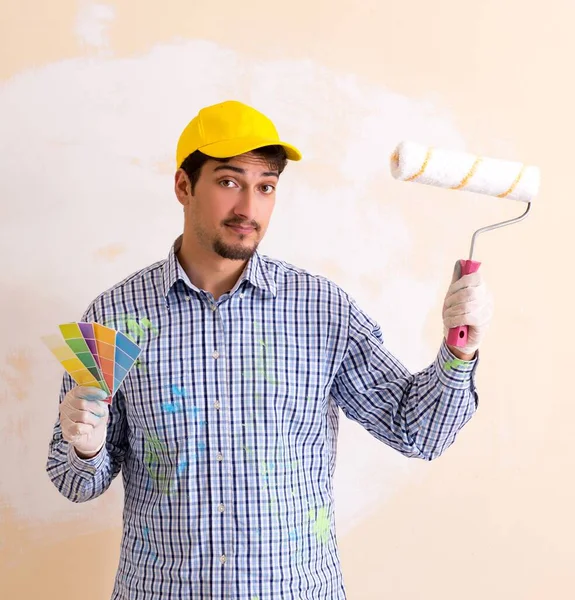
column 94, row 355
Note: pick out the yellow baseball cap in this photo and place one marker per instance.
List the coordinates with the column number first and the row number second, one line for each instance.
column 229, row 129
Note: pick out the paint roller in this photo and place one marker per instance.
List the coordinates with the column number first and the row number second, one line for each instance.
column 466, row 172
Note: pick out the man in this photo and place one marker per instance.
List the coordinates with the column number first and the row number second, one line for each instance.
column 225, row 432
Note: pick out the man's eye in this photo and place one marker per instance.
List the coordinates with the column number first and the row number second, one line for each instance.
column 227, row 183
column 267, row 188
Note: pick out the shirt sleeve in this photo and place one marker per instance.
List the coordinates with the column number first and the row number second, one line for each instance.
column 417, row 414
column 80, row 479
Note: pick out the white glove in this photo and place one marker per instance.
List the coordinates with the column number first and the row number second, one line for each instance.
column 468, row 302
column 84, row 420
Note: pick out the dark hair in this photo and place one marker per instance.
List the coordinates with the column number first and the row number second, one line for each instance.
column 192, row 165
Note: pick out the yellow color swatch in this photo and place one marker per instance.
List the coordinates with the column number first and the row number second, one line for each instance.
column 70, row 330
column 73, row 365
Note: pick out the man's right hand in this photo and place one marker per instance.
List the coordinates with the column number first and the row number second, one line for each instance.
column 84, row 420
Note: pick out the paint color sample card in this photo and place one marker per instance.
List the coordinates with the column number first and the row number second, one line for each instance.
column 71, row 363
column 126, row 354
column 72, row 334
column 87, row 330
column 105, row 343
column 94, row 355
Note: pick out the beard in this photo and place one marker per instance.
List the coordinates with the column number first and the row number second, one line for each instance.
column 233, row 251
column 228, row 250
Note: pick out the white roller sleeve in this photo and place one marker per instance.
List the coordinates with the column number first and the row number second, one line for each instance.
column 462, row 171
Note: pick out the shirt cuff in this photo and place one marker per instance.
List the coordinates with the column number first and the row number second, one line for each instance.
column 85, row 466
column 452, row 371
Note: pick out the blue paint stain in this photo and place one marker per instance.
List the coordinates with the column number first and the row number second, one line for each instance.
column 182, row 466
column 293, row 534
column 201, row 445
column 194, row 410
column 178, row 391
column 147, row 545
column 172, row 407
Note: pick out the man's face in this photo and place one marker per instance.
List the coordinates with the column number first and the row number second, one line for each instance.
column 231, row 206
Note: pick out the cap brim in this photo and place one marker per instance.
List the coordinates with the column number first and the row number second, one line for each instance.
column 229, row 148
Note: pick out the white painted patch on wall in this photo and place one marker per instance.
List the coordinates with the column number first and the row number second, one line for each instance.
column 92, row 22
column 99, row 174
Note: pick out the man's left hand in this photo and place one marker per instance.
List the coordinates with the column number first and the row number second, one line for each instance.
column 467, row 302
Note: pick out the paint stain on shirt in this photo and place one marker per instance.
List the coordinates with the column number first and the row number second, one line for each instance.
column 154, row 449
column 321, row 523
column 171, row 407
column 451, row 364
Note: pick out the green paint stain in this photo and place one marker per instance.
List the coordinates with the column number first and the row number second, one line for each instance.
column 148, row 325
column 155, row 442
column 134, row 328
column 321, row 524
column 139, row 364
column 451, row 364
column 153, row 449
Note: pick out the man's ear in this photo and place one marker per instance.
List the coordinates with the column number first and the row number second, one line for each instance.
column 182, row 187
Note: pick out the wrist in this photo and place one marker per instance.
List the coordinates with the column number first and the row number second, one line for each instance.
column 84, row 455
column 466, row 356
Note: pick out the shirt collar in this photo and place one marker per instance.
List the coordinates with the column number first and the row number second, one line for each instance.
column 256, row 272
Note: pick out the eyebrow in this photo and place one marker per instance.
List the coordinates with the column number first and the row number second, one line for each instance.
column 243, row 172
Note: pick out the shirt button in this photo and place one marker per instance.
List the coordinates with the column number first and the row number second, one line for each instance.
column 187, row 298
column 242, row 295
column 215, row 354
column 217, row 405
column 221, row 508
column 219, row 456
column 223, row 559
column 214, row 307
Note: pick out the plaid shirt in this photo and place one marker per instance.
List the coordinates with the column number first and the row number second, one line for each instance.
column 225, row 430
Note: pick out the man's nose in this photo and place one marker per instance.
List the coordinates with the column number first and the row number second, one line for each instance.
column 246, row 205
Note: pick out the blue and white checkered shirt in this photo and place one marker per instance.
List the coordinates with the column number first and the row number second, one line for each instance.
column 225, row 431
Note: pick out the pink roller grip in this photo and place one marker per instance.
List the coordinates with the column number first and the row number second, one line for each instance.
column 458, row 335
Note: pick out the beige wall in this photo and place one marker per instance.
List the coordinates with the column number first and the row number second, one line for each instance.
column 92, row 100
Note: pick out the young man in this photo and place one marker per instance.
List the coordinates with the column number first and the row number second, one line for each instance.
column 226, row 430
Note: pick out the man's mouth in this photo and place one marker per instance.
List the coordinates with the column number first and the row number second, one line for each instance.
column 241, row 228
